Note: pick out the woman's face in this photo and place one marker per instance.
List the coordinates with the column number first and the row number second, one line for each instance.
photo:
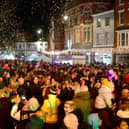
column 35, row 80
column 97, row 85
column 21, row 81
column 67, row 108
column 53, row 81
column 83, row 82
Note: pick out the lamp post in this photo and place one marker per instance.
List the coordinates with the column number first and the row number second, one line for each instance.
column 69, row 42
column 40, row 32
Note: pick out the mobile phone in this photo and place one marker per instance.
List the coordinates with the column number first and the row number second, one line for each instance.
column 23, row 97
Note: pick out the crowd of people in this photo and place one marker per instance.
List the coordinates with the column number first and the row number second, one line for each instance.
column 38, row 95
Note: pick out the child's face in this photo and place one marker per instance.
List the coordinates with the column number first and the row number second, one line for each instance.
column 67, row 108
column 124, row 125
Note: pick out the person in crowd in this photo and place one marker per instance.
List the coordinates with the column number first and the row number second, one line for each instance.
column 94, row 121
column 21, row 86
column 123, row 124
column 71, row 121
column 23, row 77
column 21, row 110
column 36, row 90
column 49, row 109
column 5, row 105
column 15, row 111
column 71, row 110
column 82, row 101
column 94, row 93
column 103, row 103
column 13, row 84
column 124, row 94
column 123, row 111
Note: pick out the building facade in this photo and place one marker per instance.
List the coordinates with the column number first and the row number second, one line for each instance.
column 103, row 37
column 79, row 26
column 56, row 35
column 24, row 49
column 121, row 31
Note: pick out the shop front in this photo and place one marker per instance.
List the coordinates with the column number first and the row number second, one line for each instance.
column 103, row 55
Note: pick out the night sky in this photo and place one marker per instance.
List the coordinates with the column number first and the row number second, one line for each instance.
column 37, row 13
column 31, row 15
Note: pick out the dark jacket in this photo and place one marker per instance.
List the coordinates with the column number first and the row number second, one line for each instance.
column 82, row 102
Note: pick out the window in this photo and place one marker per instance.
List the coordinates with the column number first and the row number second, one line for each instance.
column 107, row 38
column 97, row 39
column 100, row 39
column 121, row 17
column 87, row 34
column 107, row 21
column 20, row 46
column 124, row 39
column 77, row 37
column 78, row 20
column 98, row 22
column 87, row 16
column 127, row 39
column 28, row 46
column 121, row 1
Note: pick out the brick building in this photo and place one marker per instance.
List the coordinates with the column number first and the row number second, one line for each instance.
column 80, row 25
column 78, row 29
column 121, row 31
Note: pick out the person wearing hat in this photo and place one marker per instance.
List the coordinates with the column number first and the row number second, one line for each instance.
column 103, row 103
column 49, row 109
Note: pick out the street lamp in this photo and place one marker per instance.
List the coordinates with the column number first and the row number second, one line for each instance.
column 40, row 32
column 69, row 42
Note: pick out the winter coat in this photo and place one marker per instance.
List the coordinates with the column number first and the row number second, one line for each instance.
column 50, row 107
column 82, row 102
column 104, row 98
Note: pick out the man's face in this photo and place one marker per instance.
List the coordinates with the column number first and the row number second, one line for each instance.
column 125, row 93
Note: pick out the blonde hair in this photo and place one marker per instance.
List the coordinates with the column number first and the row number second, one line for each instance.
column 71, row 104
column 13, row 83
